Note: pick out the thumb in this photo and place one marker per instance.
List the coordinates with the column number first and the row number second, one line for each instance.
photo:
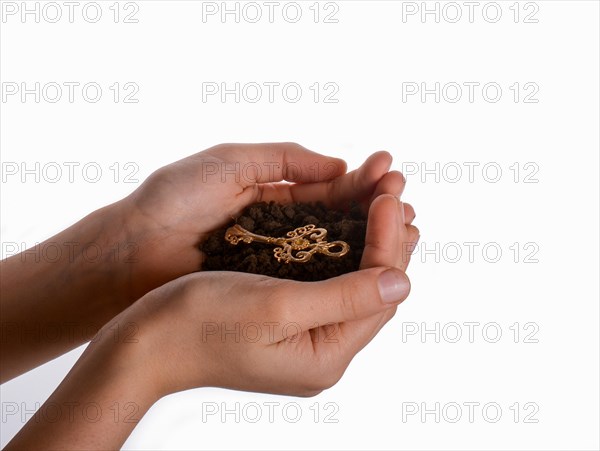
column 348, row 297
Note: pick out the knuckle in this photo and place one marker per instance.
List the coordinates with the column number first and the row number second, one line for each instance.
column 329, row 370
column 332, row 190
column 221, row 147
column 310, row 393
column 293, row 145
column 388, row 315
column 330, row 378
column 413, row 230
column 349, row 295
column 276, row 301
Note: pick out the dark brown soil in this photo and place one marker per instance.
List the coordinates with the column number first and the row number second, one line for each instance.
column 276, row 220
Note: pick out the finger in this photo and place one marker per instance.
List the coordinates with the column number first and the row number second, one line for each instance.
column 394, row 183
column 385, row 238
column 413, row 234
column 349, row 297
column 355, row 185
column 409, row 213
column 362, row 332
column 409, row 246
column 381, row 237
column 378, row 321
column 391, row 183
column 274, row 162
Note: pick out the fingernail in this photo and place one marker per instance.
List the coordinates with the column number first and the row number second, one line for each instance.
column 393, row 286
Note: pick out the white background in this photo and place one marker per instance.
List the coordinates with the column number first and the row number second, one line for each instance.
column 550, row 287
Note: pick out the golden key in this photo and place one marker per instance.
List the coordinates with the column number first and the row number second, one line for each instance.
column 299, row 246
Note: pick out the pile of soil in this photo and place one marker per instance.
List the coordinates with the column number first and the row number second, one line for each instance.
column 271, row 219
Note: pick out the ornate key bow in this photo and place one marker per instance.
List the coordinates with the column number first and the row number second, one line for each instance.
column 299, row 246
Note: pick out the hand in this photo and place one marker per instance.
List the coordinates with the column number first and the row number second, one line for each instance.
column 153, row 236
column 256, row 333
column 178, row 205
column 309, row 333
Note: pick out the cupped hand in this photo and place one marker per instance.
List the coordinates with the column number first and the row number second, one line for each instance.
column 234, row 330
column 256, row 333
column 179, row 204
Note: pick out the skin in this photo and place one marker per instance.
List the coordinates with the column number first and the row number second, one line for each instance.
column 176, row 319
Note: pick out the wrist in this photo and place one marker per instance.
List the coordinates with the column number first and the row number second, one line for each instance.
column 106, row 394
column 138, row 251
column 156, row 252
column 154, row 326
column 115, row 234
column 128, row 357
